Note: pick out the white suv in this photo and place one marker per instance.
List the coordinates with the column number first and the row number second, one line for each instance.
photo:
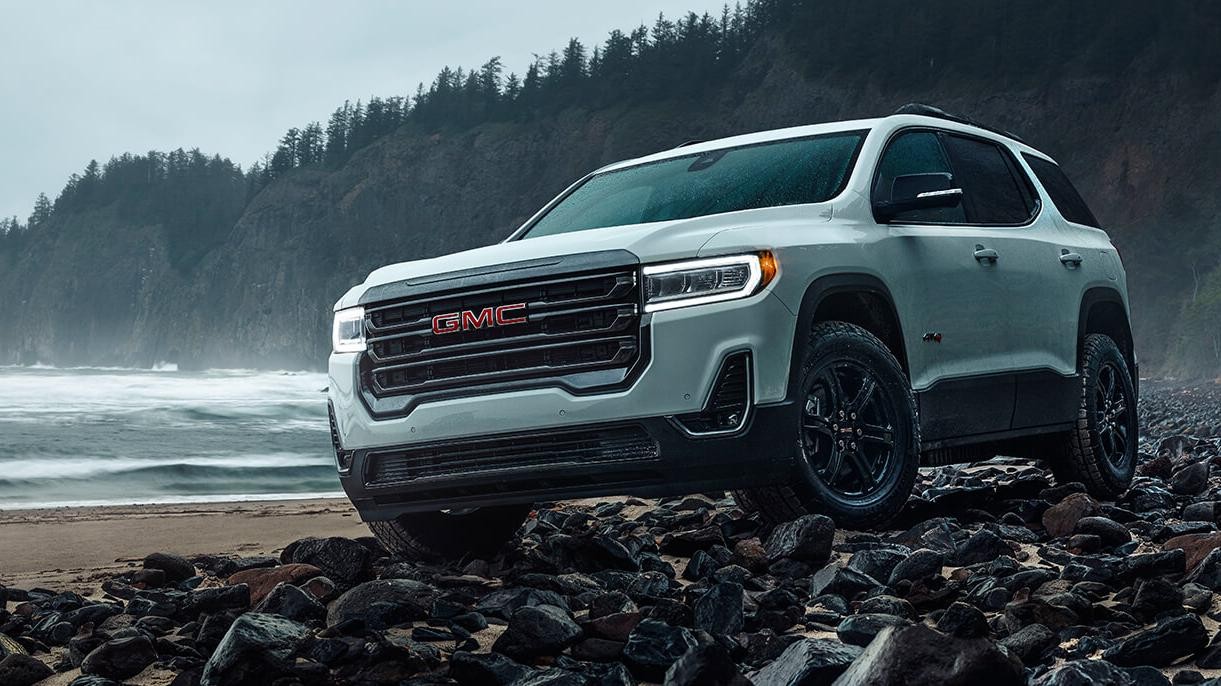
column 802, row 316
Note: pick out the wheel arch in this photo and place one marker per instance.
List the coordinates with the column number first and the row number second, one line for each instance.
column 1103, row 311
column 854, row 298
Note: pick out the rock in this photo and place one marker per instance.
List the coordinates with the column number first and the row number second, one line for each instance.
column 963, row 621
column 1200, row 512
column 918, row 566
column 719, row 611
column 341, row 560
column 615, row 627
column 176, row 568
column 22, row 670
column 705, row 665
column 215, row 599
column 653, row 646
column 840, row 581
column 121, row 658
column 1208, row 572
column 485, row 669
column 289, row 601
column 1155, row 596
column 1190, row 480
column 383, row 603
column 1061, row 519
column 1195, row 546
column 537, row 631
column 983, row 546
column 877, row 562
column 255, row 650
column 807, row 662
column 1111, row 532
column 1031, row 644
column 597, row 650
column 807, row 538
column 859, row 630
column 262, row 580
column 685, row 543
column 1160, row 645
column 917, row 656
column 504, row 602
column 1085, row 673
column 887, row 605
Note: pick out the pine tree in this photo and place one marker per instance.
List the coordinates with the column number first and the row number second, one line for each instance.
column 42, row 211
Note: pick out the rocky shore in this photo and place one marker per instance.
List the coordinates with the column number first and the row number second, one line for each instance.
column 993, row 574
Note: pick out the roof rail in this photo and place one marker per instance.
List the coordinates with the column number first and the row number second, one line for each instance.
column 930, row 111
column 684, row 144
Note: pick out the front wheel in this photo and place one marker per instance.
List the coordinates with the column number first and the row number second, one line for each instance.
column 449, row 535
column 1101, row 450
column 858, row 436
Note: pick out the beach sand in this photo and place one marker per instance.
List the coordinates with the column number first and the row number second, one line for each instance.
column 74, row 549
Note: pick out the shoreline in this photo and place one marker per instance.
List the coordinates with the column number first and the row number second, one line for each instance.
column 75, row 548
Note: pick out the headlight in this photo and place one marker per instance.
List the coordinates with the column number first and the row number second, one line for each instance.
column 348, row 331
column 695, row 282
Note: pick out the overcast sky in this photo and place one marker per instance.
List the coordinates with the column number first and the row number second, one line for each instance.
column 82, row 80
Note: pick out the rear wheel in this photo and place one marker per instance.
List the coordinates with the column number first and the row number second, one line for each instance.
column 452, row 534
column 1100, row 451
column 858, row 436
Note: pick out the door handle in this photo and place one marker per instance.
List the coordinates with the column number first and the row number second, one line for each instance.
column 986, row 255
column 1070, row 259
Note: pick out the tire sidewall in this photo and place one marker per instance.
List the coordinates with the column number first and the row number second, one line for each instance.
column 1100, row 355
column 851, row 344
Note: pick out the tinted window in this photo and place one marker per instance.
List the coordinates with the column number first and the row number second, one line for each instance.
column 1070, row 203
column 788, row 172
column 915, row 152
column 992, row 191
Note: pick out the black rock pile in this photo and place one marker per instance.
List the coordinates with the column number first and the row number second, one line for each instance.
column 993, row 575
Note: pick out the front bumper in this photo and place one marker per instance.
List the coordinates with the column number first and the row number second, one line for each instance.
column 687, row 349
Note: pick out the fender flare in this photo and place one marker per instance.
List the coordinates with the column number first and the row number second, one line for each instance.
column 816, row 293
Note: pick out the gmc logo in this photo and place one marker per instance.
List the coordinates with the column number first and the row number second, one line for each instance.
column 466, row 320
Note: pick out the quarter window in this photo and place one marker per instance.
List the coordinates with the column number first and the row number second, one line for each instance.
column 992, row 191
column 1066, row 198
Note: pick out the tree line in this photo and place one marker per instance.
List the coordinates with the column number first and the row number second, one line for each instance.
column 194, row 195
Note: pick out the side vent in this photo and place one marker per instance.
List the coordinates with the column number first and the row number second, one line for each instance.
column 343, row 458
column 728, row 406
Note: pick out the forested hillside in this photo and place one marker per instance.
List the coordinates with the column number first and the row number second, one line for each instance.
column 185, row 257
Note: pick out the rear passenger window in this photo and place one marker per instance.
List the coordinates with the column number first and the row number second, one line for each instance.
column 994, row 190
column 1066, row 198
column 915, row 152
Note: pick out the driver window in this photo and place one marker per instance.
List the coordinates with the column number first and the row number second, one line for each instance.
column 916, row 152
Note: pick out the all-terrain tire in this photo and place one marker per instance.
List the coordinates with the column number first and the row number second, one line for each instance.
column 829, row 343
column 441, row 535
column 1088, row 452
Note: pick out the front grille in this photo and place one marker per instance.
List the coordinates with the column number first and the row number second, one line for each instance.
column 518, row 452
column 729, row 404
column 574, row 323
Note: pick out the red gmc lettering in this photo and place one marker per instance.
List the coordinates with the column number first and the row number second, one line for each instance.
column 504, row 315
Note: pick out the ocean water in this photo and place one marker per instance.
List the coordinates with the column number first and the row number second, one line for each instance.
column 89, row 436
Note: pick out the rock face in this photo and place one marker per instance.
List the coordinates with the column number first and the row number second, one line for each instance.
column 917, row 655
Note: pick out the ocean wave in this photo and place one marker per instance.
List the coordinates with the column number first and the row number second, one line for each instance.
column 170, row 500
column 14, row 472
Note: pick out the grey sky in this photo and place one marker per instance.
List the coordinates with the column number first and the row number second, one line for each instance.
column 82, row 80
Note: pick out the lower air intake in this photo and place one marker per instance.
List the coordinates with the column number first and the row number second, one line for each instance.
column 728, row 406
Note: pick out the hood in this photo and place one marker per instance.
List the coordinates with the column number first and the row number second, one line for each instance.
column 653, row 242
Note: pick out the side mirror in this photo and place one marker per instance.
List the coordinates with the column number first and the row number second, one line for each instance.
column 918, row 192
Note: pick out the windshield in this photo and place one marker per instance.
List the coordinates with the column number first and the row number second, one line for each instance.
column 786, row 172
